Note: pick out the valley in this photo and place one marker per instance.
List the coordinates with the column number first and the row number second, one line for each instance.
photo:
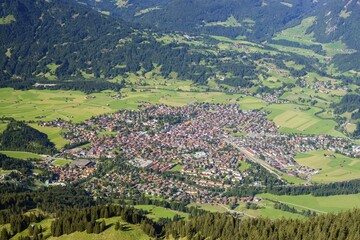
column 134, row 120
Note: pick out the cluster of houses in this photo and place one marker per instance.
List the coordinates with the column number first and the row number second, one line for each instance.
column 180, row 152
column 279, row 150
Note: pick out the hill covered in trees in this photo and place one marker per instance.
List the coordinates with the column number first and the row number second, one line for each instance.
column 20, row 137
column 256, row 19
column 65, row 40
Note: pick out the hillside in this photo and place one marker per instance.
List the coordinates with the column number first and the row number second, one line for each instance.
column 258, row 20
column 333, row 21
column 62, row 40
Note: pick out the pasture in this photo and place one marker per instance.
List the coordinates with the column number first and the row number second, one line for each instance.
column 156, row 212
column 294, row 118
column 326, row 204
column 335, row 167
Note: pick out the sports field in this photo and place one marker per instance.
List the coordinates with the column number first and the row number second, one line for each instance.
column 335, row 203
column 335, row 167
column 294, row 118
column 61, row 162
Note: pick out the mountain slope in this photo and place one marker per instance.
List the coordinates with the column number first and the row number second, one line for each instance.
column 339, row 20
column 61, row 40
column 256, row 19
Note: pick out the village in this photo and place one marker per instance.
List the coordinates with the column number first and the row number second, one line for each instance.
column 182, row 152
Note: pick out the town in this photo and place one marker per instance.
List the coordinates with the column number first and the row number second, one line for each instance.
column 184, row 152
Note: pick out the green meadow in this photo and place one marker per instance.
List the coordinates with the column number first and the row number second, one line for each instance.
column 266, row 210
column 156, row 212
column 54, row 134
column 335, row 203
column 21, row 155
column 210, row 207
column 73, row 106
column 332, row 169
column 294, row 118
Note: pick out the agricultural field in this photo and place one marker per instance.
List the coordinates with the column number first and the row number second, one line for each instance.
column 51, row 104
column 156, row 212
column 326, row 204
column 72, row 105
column 294, row 118
column 21, row 155
column 334, row 167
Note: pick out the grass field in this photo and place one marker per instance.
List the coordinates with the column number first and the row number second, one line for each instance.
column 210, row 207
column 335, row 203
column 21, row 155
column 267, row 210
column 244, row 166
column 294, row 118
column 54, row 134
column 52, row 104
column 340, row 168
column 2, row 127
column 160, row 212
column 176, row 168
column 72, row 105
column 4, row 171
column 61, row 162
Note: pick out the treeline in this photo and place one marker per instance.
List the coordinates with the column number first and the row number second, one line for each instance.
column 317, row 48
column 8, row 163
column 86, row 86
column 287, row 208
column 20, row 137
column 181, row 206
column 52, row 199
column 330, row 189
column 220, row 226
column 348, row 103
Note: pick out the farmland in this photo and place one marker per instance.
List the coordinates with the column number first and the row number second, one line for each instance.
column 294, row 118
column 333, row 167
